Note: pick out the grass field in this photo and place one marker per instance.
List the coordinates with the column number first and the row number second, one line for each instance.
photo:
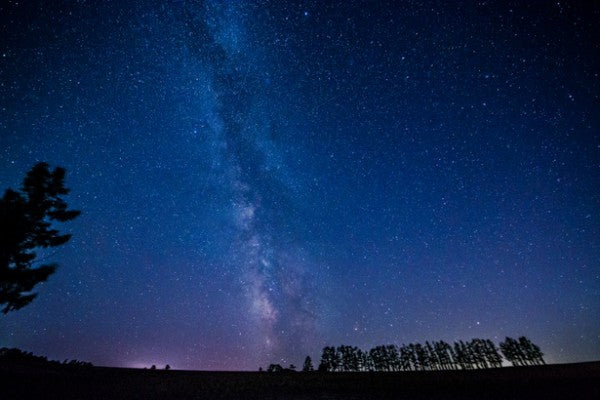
column 565, row 381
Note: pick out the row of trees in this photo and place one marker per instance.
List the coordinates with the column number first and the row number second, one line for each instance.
column 474, row 354
column 522, row 352
column 14, row 357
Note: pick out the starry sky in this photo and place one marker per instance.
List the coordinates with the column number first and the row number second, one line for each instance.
column 259, row 179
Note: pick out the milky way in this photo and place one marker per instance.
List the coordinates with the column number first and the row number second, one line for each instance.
column 260, row 179
column 271, row 270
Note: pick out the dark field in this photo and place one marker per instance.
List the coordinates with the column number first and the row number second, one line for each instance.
column 567, row 381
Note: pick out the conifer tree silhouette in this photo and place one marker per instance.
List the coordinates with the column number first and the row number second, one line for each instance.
column 366, row 361
column 393, row 357
column 422, row 358
column 26, row 218
column 431, row 356
column 531, row 352
column 308, row 366
column 493, row 357
column 329, row 359
column 405, row 359
column 521, row 352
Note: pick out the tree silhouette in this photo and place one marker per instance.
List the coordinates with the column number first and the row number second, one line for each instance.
column 532, row 353
column 329, row 359
column 521, row 352
column 366, row 364
column 478, row 352
column 537, row 354
column 392, row 357
column 491, row 353
column 511, row 350
column 405, row 358
column 468, row 356
column 167, row 367
column 444, row 355
column 26, row 220
column 422, row 359
column 378, row 357
column 350, row 358
column 275, row 368
column 308, row 366
column 452, row 357
column 459, row 358
column 343, row 354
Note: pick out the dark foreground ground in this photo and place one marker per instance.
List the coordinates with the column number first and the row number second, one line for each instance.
column 566, row 381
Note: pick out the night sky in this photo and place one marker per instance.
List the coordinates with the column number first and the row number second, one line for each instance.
column 260, row 179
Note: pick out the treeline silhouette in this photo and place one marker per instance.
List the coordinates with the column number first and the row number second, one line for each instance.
column 279, row 368
column 14, row 356
column 432, row 356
